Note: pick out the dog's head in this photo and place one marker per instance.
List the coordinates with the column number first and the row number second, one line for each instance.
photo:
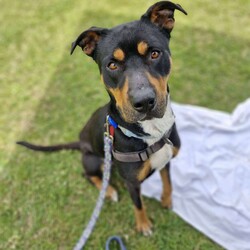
column 134, row 61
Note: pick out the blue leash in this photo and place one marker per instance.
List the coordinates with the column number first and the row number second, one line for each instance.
column 118, row 240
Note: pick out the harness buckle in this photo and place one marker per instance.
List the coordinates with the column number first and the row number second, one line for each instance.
column 143, row 155
column 168, row 142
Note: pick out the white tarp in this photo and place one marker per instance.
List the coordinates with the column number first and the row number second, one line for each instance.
column 211, row 174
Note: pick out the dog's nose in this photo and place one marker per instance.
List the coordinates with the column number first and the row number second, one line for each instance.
column 144, row 102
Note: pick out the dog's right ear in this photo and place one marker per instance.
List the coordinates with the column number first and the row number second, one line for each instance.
column 161, row 14
column 88, row 40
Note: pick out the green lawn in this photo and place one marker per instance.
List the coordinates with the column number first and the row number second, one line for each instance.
column 47, row 95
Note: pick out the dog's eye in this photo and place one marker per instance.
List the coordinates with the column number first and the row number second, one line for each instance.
column 155, row 54
column 112, row 66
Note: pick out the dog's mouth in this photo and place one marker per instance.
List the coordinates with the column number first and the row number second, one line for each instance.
column 158, row 112
column 131, row 115
column 150, row 117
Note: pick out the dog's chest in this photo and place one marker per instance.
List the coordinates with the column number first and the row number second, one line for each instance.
column 156, row 128
column 159, row 159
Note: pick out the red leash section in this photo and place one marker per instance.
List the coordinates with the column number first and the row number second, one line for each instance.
column 111, row 131
column 112, row 126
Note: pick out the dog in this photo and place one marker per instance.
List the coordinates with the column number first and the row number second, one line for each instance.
column 135, row 63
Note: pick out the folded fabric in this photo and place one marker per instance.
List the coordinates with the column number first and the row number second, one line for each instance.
column 211, row 174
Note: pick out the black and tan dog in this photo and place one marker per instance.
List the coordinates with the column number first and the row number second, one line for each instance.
column 135, row 63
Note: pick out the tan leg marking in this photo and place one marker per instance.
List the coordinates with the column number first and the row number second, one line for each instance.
column 111, row 193
column 143, row 224
column 144, row 171
column 166, row 199
column 175, row 151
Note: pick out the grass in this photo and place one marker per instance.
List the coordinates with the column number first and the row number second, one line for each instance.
column 47, row 96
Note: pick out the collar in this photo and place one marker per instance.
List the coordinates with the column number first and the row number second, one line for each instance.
column 125, row 131
column 137, row 156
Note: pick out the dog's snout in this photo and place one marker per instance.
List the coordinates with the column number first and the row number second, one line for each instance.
column 144, row 102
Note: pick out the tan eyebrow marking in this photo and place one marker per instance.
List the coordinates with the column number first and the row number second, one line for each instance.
column 119, row 54
column 142, row 48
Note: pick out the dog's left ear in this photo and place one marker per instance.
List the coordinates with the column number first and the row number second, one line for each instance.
column 88, row 40
column 162, row 14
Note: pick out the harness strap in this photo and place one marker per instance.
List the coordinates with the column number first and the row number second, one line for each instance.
column 143, row 155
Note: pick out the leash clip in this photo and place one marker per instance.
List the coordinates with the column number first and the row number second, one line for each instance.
column 109, row 129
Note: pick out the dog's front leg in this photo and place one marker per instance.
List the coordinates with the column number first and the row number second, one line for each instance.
column 143, row 224
column 166, row 199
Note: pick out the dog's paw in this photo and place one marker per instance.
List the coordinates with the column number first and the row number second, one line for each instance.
column 112, row 194
column 145, row 228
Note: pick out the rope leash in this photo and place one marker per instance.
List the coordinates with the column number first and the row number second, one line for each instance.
column 108, row 144
column 106, row 175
